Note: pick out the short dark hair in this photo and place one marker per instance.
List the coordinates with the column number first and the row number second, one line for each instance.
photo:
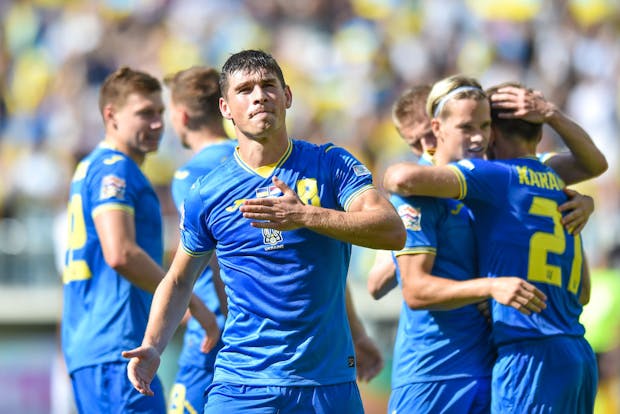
column 411, row 105
column 513, row 127
column 122, row 83
column 198, row 89
column 249, row 61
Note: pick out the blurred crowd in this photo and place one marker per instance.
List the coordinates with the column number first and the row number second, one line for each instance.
column 346, row 61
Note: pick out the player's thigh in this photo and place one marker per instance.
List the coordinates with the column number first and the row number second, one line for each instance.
column 105, row 388
column 556, row 374
column 325, row 399
column 456, row 396
column 240, row 399
column 188, row 392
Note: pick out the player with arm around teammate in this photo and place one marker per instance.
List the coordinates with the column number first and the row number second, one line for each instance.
column 544, row 363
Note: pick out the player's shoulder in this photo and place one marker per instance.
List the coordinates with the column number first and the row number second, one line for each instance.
column 108, row 161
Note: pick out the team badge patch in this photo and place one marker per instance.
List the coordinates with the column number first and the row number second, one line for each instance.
column 411, row 217
column 270, row 191
column 112, row 187
column 361, row 170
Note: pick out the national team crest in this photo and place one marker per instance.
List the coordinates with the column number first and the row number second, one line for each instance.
column 410, row 216
column 112, row 187
column 271, row 236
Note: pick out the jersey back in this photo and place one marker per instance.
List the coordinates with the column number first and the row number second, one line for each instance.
column 520, row 234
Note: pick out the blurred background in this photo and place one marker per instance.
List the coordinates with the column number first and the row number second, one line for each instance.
column 346, row 62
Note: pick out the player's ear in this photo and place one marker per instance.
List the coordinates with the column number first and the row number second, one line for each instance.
column 109, row 115
column 225, row 109
column 436, row 126
column 184, row 117
column 288, row 95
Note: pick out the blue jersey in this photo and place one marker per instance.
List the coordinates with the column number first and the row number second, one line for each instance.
column 287, row 322
column 434, row 345
column 520, row 234
column 200, row 164
column 104, row 313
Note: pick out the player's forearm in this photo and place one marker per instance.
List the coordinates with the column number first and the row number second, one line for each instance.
column 170, row 302
column 381, row 279
column 409, row 179
column 139, row 269
column 357, row 329
column 586, row 160
column 438, row 293
column 586, row 284
column 377, row 229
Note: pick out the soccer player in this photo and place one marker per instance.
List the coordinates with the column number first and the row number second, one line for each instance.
column 282, row 215
column 197, row 121
column 443, row 354
column 544, row 363
column 414, row 127
column 115, row 250
column 412, row 122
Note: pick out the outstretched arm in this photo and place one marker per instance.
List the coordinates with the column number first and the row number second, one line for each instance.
column 422, row 290
column 371, row 221
column 409, row 179
column 584, row 161
column 169, row 303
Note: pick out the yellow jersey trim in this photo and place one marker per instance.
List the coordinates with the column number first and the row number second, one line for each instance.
column 112, row 206
column 353, row 196
column 265, row 170
column 462, row 182
column 416, row 250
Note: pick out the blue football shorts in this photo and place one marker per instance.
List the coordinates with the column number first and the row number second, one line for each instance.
column 188, row 393
column 453, row 396
column 557, row 374
column 105, row 388
column 243, row 399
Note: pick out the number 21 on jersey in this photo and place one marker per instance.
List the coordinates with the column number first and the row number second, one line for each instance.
column 543, row 243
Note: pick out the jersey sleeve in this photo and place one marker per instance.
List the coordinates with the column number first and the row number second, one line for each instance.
column 420, row 216
column 350, row 176
column 113, row 185
column 196, row 237
column 480, row 180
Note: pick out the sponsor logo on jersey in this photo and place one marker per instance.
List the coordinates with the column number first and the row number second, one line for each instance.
column 410, row 216
column 113, row 159
column 361, row 170
column 112, row 187
column 181, row 174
